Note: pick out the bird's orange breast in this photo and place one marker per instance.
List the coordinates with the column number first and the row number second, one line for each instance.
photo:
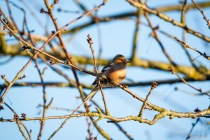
column 117, row 76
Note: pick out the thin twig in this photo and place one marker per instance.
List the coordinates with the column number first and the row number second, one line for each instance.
column 185, row 82
column 28, row 63
column 155, row 35
column 204, row 17
column 136, row 35
column 154, row 85
column 183, row 11
column 19, row 122
column 96, row 8
column 90, row 134
column 42, row 123
column 162, row 113
column 97, row 73
column 168, row 19
column 193, row 126
column 187, row 46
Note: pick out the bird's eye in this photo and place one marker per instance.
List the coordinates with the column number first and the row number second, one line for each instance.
column 120, row 60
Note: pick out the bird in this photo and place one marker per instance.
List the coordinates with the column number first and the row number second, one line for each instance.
column 111, row 75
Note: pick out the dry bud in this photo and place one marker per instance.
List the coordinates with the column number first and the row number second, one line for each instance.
column 42, row 11
column 53, row 32
column 89, row 40
column 16, row 117
column 1, row 107
column 25, row 47
column 3, row 76
column 21, row 77
column 23, row 115
column 154, row 84
column 197, row 110
column 56, row 1
column 52, row 62
column 171, row 69
column 156, row 27
column 200, row 90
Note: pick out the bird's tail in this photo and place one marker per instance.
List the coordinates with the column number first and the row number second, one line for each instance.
column 90, row 96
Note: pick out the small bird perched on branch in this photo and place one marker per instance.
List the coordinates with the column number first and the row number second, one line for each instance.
column 111, row 75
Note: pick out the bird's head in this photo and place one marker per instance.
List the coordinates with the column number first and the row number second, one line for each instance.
column 120, row 59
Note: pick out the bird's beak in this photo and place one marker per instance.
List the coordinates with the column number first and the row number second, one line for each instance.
column 127, row 61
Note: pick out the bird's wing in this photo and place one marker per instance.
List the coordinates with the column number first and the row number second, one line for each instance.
column 104, row 69
column 107, row 67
